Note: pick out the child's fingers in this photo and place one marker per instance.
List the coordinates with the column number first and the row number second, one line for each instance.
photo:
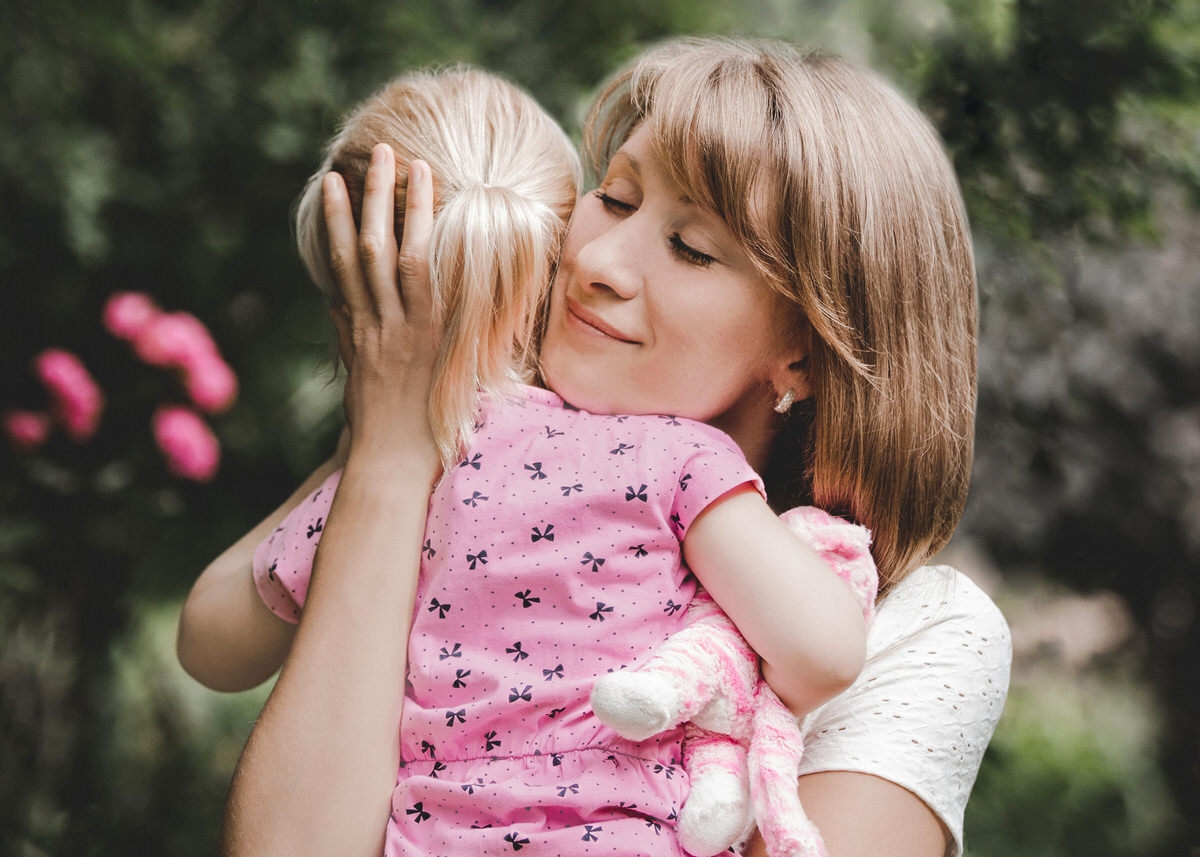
column 343, row 242
column 415, row 288
column 377, row 234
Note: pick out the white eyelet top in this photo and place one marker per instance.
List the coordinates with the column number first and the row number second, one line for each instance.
column 928, row 700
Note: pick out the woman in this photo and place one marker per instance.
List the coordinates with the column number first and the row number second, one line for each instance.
column 839, row 198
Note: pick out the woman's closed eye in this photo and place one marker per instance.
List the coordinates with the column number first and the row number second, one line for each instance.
column 614, row 205
column 688, row 253
column 620, row 208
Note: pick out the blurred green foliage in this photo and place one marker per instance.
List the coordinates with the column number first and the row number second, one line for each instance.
column 1074, row 765
column 158, row 147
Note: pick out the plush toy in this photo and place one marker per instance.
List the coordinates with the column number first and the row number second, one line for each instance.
column 742, row 746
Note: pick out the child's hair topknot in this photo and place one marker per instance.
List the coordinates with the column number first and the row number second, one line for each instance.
column 505, row 181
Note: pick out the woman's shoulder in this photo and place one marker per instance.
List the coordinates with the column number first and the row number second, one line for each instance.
column 938, row 630
column 937, row 602
column 928, row 699
column 936, row 640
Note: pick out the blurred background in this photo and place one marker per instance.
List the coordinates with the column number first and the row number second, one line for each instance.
column 156, row 148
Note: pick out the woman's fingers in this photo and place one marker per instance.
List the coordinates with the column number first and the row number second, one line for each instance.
column 416, row 291
column 343, row 242
column 377, row 234
column 365, row 260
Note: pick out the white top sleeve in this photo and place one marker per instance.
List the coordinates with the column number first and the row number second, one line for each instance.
column 928, row 700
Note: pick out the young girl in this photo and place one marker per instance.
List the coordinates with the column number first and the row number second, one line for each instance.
column 553, row 544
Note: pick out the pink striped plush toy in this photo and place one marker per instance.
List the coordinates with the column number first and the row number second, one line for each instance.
column 743, row 746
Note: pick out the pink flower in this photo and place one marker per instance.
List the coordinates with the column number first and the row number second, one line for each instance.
column 187, row 443
column 76, row 399
column 212, row 384
column 176, row 340
column 27, row 430
column 126, row 314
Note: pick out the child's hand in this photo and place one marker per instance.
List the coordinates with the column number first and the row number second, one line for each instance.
column 387, row 334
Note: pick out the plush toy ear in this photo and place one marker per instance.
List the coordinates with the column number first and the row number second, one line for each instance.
column 846, row 547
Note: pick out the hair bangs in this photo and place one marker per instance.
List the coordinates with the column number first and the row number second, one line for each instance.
column 714, row 128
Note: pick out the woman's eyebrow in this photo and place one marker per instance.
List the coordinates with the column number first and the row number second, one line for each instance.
column 633, row 162
column 636, row 168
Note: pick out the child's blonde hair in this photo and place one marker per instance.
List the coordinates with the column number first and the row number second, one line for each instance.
column 506, row 178
column 842, row 194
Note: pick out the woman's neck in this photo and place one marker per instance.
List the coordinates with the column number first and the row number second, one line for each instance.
column 753, row 429
column 752, row 424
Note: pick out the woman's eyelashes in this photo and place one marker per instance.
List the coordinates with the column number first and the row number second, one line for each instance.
column 680, row 247
column 614, row 205
column 689, row 254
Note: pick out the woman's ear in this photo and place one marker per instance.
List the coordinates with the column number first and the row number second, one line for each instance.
column 791, row 378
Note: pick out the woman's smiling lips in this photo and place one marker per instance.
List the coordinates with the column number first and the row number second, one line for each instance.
column 597, row 325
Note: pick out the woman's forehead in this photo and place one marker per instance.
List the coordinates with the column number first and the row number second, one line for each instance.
column 739, row 180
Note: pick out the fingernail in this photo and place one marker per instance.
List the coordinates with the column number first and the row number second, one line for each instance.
column 415, row 171
column 377, row 154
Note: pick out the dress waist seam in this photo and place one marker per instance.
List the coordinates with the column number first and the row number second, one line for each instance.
column 497, row 757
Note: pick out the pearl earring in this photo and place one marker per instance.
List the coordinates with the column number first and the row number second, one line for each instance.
column 785, row 402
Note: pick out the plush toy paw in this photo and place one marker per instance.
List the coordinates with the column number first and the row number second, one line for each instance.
column 719, row 811
column 636, row 705
column 716, row 814
column 704, row 670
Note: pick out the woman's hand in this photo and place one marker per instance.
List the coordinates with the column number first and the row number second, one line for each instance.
column 317, row 773
column 387, row 331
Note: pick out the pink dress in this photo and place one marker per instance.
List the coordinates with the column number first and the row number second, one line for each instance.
column 552, row 556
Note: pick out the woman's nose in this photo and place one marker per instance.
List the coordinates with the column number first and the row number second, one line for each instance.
column 611, row 260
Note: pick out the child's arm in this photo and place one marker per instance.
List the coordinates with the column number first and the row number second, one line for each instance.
column 803, row 621
column 227, row 639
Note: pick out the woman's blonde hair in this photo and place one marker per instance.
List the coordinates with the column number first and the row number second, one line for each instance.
column 506, row 178
column 842, row 194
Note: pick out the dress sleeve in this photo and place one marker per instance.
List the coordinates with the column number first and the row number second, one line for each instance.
column 283, row 561
column 924, row 708
column 713, row 467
